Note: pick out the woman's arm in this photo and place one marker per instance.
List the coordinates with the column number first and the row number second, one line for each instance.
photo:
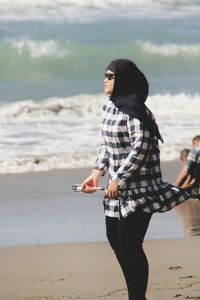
column 101, row 163
column 100, row 168
column 140, row 139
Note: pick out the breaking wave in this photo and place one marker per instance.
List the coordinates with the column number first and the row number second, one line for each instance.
column 170, row 49
column 64, row 132
column 38, row 49
column 91, row 10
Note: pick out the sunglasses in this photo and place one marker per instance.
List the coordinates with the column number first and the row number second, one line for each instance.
column 110, row 76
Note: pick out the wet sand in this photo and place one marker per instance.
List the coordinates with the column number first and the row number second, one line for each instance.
column 89, row 271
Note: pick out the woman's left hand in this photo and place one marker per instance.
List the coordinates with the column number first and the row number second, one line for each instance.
column 112, row 190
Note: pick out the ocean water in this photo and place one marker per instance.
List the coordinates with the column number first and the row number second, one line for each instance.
column 53, row 56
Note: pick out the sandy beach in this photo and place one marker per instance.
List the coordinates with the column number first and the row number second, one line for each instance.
column 60, row 270
column 54, row 55
column 90, row 271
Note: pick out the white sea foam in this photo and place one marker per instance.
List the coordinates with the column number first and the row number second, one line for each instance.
column 64, row 132
column 37, row 48
column 170, row 49
column 178, row 119
column 93, row 3
column 90, row 10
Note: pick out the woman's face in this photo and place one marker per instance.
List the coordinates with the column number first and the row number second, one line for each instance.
column 109, row 82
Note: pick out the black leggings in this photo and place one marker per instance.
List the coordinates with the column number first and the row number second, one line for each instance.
column 125, row 236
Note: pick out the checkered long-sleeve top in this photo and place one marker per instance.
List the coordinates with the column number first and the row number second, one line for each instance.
column 131, row 155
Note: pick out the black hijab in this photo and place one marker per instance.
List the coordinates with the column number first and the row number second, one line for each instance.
column 130, row 93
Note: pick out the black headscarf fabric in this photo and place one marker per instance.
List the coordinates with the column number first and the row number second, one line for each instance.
column 130, row 93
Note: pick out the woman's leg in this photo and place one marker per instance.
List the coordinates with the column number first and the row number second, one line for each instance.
column 132, row 231
column 126, row 236
column 112, row 233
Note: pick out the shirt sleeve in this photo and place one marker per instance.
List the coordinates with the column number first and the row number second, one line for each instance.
column 140, row 139
column 190, row 159
column 102, row 159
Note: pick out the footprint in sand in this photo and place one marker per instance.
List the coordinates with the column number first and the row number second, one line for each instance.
column 175, row 268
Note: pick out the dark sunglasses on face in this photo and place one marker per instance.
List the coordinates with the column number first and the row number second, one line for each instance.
column 109, row 76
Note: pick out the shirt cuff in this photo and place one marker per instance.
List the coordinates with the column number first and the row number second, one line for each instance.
column 102, row 169
column 118, row 180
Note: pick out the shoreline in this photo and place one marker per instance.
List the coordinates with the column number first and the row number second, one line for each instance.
column 170, row 170
column 41, row 208
column 165, row 166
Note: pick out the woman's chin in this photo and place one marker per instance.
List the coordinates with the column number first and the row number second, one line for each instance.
column 107, row 91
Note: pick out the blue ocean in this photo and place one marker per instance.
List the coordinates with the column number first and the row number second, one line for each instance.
column 53, row 56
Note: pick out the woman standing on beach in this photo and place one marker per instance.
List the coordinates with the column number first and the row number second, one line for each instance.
column 131, row 153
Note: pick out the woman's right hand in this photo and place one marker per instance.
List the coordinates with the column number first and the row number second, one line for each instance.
column 92, row 181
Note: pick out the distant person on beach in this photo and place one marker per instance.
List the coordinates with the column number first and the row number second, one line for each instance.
column 185, row 182
column 130, row 152
column 184, row 154
column 190, row 173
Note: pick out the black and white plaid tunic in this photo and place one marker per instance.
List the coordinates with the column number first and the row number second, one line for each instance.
column 132, row 156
